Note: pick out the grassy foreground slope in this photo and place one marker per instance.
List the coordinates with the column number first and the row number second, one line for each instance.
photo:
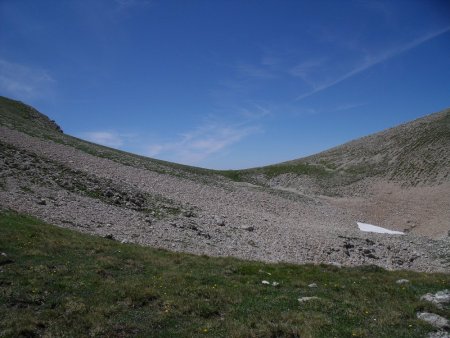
column 57, row 282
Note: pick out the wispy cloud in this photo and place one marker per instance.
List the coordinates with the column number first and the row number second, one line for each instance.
column 255, row 113
column 107, row 138
column 307, row 69
column 256, row 71
column 331, row 109
column 191, row 147
column 196, row 145
column 23, row 82
column 347, row 106
column 371, row 61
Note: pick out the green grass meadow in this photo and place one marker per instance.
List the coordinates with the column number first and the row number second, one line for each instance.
column 56, row 282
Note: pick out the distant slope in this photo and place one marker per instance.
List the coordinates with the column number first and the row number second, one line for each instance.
column 22, row 117
column 414, row 153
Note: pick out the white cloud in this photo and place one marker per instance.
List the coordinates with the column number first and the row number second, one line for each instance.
column 106, row 138
column 154, row 150
column 256, row 113
column 22, row 82
column 307, row 111
column 371, row 61
column 307, row 70
column 256, row 71
column 196, row 145
column 348, row 106
column 191, row 147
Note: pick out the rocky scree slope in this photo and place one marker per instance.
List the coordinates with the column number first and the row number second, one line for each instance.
column 102, row 191
column 398, row 178
column 416, row 153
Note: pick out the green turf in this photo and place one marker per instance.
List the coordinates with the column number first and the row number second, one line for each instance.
column 57, row 282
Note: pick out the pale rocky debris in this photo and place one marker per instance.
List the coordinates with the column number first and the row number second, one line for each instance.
column 439, row 334
column 306, row 299
column 262, row 223
column 434, row 320
column 402, row 281
column 439, row 299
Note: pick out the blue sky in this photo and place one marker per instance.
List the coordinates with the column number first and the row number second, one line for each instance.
column 226, row 84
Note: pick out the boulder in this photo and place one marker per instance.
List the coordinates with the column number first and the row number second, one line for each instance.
column 188, row 213
column 439, row 298
column 219, row 221
column 402, row 281
column 434, row 320
column 439, row 334
column 306, row 299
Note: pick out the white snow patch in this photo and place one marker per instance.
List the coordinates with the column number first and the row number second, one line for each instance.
column 373, row 228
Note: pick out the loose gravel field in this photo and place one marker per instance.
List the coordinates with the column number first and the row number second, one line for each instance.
column 217, row 216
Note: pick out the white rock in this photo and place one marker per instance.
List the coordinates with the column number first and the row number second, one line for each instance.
column 434, row 320
column 305, row 299
column 402, row 281
column 219, row 221
column 265, row 282
column 439, row 298
column 439, row 334
column 442, row 296
column 312, row 285
column 336, row 264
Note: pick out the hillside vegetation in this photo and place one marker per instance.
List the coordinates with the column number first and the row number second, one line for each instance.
column 415, row 153
column 412, row 153
column 19, row 116
column 57, row 282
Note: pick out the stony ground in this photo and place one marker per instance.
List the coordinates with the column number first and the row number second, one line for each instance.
column 276, row 222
